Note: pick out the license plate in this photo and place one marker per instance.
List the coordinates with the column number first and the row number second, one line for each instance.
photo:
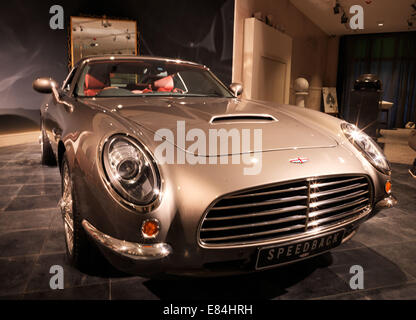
column 282, row 254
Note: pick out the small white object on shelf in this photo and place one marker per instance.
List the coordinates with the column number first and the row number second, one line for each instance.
column 301, row 86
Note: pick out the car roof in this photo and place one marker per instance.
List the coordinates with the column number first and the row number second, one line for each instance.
column 134, row 57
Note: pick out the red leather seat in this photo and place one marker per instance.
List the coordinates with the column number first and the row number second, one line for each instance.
column 164, row 84
column 92, row 86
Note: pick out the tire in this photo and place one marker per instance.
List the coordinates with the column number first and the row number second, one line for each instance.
column 47, row 157
column 81, row 252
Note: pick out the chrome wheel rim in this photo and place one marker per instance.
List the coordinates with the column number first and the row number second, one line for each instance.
column 67, row 209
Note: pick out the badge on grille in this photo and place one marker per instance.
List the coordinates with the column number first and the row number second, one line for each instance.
column 299, row 160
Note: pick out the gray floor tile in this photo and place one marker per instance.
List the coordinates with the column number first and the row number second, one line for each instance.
column 377, row 232
column 132, row 289
column 374, row 277
column 368, row 258
column 91, row 292
column 39, row 190
column 14, row 180
column 14, row 275
column 31, row 219
column 33, row 202
column 55, row 242
column 8, row 191
column 403, row 254
column 40, row 277
column 400, row 292
column 21, row 242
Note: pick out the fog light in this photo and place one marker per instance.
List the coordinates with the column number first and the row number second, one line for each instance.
column 150, row 229
column 388, row 187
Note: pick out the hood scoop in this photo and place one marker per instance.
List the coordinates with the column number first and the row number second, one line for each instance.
column 242, row 118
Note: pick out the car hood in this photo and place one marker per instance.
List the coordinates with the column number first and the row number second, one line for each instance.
column 280, row 130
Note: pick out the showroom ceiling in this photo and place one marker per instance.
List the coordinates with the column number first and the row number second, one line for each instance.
column 113, row 35
column 393, row 15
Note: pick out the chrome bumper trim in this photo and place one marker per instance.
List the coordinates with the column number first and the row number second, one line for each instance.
column 388, row 202
column 132, row 250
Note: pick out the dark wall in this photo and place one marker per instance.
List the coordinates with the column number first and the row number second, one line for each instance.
column 200, row 31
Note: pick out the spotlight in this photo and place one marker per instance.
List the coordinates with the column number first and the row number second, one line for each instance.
column 344, row 18
column 337, row 8
column 105, row 23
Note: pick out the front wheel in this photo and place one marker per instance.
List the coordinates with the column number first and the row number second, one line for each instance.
column 47, row 157
column 81, row 253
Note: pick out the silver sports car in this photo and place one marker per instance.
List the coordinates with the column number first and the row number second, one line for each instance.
column 165, row 170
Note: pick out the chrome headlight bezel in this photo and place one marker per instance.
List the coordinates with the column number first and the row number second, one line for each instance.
column 115, row 188
column 367, row 147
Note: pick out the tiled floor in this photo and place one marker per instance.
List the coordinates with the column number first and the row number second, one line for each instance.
column 31, row 241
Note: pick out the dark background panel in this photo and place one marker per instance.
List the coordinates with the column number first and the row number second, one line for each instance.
column 392, row 58
column 200, row 31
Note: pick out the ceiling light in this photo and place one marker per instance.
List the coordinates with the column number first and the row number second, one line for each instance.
column 337, row 8
column 344, row 18
column 380, row 24
column 105, row 23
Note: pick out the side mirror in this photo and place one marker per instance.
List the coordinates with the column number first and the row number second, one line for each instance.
column 237, row 89
column 44, row 85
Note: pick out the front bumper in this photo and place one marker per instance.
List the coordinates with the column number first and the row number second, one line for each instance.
column 158, row 258
column 388, row 202
column 131, row 250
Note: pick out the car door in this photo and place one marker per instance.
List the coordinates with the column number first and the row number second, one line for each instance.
column 56, row 111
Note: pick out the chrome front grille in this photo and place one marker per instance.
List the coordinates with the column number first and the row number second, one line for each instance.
column 285, row 210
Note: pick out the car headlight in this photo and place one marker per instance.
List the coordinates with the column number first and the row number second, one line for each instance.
column 367, row 146
column 131, row 170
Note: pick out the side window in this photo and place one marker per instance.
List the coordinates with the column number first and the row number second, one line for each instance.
column 67, row 83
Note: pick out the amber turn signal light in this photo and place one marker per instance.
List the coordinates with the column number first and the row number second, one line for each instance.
column 388, row 187
column 150, row 229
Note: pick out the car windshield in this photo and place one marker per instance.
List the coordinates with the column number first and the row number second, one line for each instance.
column 148, row 78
